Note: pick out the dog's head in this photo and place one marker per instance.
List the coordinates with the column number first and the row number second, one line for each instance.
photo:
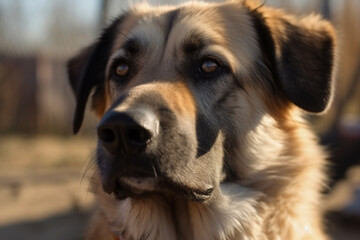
column 184, row 92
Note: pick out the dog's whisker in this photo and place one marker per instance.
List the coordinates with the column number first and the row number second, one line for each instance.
column 94, row 182
column 90, row 164
column 154, row 170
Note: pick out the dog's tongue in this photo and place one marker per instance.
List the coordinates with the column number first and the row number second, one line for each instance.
column 117, row 237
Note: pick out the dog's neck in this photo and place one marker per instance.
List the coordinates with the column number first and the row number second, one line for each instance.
column 234, row 213
column 159, row 217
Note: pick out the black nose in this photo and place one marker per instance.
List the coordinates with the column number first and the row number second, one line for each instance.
column 129, row 131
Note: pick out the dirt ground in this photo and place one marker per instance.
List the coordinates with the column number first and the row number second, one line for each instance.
column 44, row 191
column 43, row 187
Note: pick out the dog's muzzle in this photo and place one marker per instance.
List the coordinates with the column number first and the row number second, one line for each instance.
column 145, row 149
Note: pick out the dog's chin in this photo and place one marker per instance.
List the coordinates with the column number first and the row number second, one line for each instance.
column 135, row 187
column 143, row 187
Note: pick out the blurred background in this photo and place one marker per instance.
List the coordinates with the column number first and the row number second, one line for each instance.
column 43, row 180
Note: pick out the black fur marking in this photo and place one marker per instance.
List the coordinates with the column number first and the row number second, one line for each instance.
column 132, row 46
column 171, row 19
column 206, row 134
column 193, row 44
column 267, row 47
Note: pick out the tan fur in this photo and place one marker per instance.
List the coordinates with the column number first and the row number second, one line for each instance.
column 177, row 95
column 278, row 163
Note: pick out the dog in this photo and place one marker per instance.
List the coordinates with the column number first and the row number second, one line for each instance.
column 202, row 132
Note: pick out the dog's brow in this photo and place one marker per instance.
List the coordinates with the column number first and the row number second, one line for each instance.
column 132, row 45
column 193, row 44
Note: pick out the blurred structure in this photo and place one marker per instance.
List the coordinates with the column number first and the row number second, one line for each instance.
column 37, row 37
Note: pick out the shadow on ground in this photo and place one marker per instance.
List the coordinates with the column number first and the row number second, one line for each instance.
column 69, row 225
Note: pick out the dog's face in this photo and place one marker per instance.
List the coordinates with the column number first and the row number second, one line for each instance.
column 188, row 95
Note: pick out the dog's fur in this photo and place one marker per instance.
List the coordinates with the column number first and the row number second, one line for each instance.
column 233, row 157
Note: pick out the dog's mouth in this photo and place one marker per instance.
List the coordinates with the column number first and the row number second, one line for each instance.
column 134, row 187
column 141, row 187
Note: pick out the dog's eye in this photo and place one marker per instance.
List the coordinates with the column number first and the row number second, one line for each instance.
column 121, row 70
column 209, row 66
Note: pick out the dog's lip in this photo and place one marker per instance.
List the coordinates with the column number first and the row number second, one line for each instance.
column 139, row 186
column 202, row 195
column 194, row 194
column 135, row 186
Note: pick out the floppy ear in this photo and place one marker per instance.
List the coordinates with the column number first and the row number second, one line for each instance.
column 75, row 66
column 306, row 62
column 303, row 52
column 87, row 71
column 83, row 78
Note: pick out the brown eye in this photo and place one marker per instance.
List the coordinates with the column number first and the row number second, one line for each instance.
column 122, row 70
column 209, row 66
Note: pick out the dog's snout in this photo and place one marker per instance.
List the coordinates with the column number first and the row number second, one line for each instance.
column 129, row 131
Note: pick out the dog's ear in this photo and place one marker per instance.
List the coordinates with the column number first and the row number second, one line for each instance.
column 81, row 81
column 306, row 62
column 303, row 52
column 87, row 71
column 75, row 66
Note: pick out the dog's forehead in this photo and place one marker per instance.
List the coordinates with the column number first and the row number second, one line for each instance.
column 168, row 31
column 155, row 25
